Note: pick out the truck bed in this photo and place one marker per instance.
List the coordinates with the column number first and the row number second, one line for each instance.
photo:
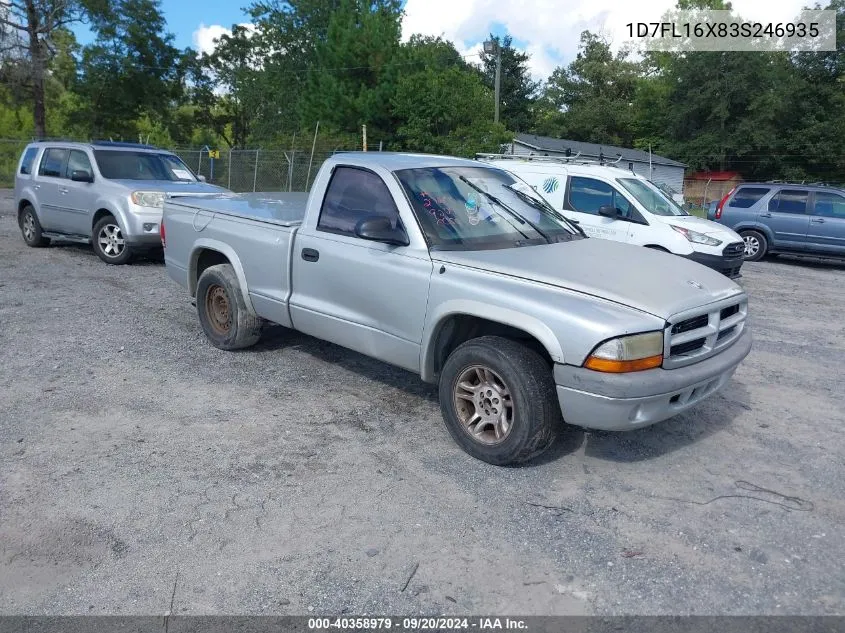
column 282, row 209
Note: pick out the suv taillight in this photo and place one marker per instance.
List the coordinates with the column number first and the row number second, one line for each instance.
column 161, row 233
column 722, row 203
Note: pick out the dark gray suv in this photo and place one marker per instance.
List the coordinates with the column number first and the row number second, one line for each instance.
column 774, row 217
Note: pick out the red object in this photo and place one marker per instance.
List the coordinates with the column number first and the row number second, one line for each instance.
column 161, row 233
column 722, row 203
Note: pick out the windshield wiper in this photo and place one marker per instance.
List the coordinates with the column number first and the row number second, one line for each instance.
column 510, row 210
column 544, row 206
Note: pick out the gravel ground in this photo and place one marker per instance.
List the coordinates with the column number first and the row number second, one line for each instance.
column 142, row 467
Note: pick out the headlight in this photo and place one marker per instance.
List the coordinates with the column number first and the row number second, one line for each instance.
column 149, row 198
column 628, row 353
column 696, row 237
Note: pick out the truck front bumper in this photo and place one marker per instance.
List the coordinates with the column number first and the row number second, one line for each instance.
column 621, row 402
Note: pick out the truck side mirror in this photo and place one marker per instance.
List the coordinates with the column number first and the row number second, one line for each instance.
column 378, row 228
column 608, row 211
column 81, row 175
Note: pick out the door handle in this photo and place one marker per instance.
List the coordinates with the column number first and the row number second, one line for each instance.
column 310, row 255
column 63, row 190
column 765, row 215
column 36, row 187
column 818, row 220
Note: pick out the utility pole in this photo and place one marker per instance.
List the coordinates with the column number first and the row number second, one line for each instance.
column 490, row 47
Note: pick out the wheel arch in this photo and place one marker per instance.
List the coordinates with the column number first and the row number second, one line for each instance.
column 460, row 321
column 210, row 253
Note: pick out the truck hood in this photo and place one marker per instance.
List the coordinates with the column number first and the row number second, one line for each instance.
column 174, row 188
column 651, row 281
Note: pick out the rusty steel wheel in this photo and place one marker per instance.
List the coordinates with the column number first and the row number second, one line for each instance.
column 484, row 405
column 217, row 308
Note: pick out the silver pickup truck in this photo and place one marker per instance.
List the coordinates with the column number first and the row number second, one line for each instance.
column 459, row 272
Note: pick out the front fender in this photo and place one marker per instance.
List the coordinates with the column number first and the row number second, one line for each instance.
column 223, row 248
column 468, row 307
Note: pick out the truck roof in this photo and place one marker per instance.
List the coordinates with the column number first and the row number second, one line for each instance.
column 395, row 161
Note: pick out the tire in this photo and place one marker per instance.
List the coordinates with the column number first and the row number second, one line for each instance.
column 109, row 242
column 31, row 228
column 756, row 245
column 225, row 319
column 513, row 372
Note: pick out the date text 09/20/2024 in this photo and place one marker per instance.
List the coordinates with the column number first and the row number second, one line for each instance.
column 416, row 623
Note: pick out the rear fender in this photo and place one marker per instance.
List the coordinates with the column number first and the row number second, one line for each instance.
column 230, row 254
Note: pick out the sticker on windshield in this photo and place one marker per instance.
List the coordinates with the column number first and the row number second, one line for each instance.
column 182, row 174
column 550, row 185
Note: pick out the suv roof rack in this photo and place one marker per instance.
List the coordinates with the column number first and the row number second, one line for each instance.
column 802, row 183
column 577, row 159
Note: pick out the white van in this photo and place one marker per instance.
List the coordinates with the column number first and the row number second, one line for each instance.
column 615, row 204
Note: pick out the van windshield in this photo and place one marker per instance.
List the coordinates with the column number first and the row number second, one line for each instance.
column 654, row 200
column 463, row 208
column 130, row 165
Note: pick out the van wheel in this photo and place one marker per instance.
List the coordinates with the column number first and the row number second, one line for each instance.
column 222, row 311
column 498, row 400
column 109, row 241
column 755, row 245
column 31, row 228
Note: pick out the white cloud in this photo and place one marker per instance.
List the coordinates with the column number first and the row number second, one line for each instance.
column 551, row 29
column 205, row 37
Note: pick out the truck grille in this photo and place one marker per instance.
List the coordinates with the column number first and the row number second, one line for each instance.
column 736, row 249
column 697, row 334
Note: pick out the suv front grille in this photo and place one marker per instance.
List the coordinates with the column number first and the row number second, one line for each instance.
column 736, row 249
column 695, row 335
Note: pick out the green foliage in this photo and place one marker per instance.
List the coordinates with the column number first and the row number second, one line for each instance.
column 517, row 90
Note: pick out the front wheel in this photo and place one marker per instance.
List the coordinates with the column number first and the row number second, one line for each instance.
column 755, row 245
column 110, row 242
column 498, row 400
column 222, row 311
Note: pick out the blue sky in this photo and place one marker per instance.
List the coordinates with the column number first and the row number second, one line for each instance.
column 548, row 30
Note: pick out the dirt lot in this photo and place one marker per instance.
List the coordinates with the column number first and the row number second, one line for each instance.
column 142, row 467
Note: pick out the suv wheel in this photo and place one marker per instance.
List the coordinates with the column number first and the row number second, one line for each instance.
column 31, row 228
column 755, row 245
column 109, row 241
column 498, row 400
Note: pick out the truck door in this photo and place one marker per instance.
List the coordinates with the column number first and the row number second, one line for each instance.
column 365, row 295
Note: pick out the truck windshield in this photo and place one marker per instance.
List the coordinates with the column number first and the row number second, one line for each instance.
column 129, row 165
column 461, row 208
column 654, row 200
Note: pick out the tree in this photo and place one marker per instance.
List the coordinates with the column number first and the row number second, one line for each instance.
column 354, row 76
column 518, row 91
column 228, row 87
column 593, row 97
column 27, row 28
column 441, row 105
column 131, row 69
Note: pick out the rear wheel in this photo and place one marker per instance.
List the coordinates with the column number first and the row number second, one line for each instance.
column 222, row 311
column 31, row 228
column 498, row 400
column 755, row 245
column 110, row 242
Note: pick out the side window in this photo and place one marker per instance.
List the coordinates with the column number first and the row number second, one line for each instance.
column 746, row 197
column 77, row 160
column 588, row 195
column 789, row 201
column 28, row 160
column 354, row 194
column 53, row 162
column 831, row 205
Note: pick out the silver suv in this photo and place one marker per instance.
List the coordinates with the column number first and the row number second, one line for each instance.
column 107, row 194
